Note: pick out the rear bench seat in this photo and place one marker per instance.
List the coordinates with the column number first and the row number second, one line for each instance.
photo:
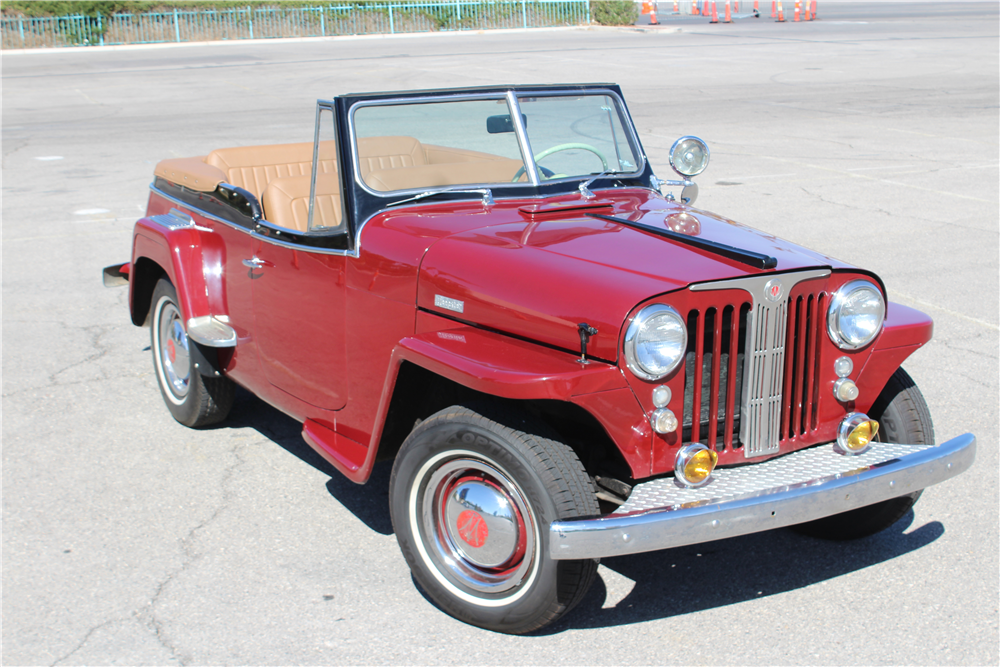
column 278, row 175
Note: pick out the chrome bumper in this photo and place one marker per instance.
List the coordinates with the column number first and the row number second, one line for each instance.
column 802, row 486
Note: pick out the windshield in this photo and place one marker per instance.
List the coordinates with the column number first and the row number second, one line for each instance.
column 435, row 144
column 578, row 135
column 428, row 145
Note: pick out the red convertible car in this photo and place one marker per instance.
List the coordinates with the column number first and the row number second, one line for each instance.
column 565, row 359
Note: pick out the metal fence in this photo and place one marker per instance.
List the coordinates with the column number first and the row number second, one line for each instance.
column 272, row 22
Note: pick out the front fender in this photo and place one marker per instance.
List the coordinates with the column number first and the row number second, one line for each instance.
column 905, row 331
column 507, row 367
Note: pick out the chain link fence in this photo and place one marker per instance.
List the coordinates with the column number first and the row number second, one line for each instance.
column 273, row 22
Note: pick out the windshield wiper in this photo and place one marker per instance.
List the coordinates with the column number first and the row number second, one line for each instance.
column 585, row 186
column 486, row 192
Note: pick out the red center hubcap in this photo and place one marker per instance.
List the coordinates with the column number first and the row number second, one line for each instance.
column 472, row 529
column 171, row 351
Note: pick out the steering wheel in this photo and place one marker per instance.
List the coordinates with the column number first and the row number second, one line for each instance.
column 564, row 147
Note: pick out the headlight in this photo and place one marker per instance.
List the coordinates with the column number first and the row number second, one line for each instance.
column 856, row 314
column 655, row 342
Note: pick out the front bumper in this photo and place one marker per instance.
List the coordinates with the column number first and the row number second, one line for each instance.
column 801, row 486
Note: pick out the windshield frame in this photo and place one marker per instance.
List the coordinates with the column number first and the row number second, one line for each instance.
column 534, row 186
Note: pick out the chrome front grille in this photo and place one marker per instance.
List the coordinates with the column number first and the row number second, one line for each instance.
column 751, row 368
column 762, row 390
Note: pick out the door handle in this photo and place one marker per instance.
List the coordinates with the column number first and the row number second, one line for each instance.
column 253, row 263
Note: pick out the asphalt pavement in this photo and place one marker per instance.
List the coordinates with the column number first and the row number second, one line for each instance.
column 870, row 135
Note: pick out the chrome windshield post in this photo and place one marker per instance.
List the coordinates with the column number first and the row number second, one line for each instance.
column 522, row 138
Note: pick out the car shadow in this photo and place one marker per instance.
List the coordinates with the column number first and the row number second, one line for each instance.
column 369, row 502
column 717, row 574
column 669, row 583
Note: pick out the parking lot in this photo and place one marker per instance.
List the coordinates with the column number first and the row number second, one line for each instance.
column 871, row 135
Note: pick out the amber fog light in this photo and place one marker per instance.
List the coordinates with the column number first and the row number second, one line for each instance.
column 694, row 464
column 855, row 434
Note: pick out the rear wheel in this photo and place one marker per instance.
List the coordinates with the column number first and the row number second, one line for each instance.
column 471, row 498
column 904, row 418
column 193, row 399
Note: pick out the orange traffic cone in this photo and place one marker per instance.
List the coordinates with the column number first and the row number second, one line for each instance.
column 774, row 11
column 781, row 13
column 677, row 8
column 798, row 9
column 729, row 17
column 715, row 14
column 814, row 17
column 694, row 8
column 808, row 16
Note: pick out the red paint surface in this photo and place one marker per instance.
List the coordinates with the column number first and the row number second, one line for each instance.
column 322, row 337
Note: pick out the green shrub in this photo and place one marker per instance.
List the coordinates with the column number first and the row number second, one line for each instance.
column 614, row 12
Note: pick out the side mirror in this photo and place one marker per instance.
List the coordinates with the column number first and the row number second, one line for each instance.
column 502, row 123
column 689, row 194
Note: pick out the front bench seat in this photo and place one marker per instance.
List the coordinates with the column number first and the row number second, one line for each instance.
column 286, row 203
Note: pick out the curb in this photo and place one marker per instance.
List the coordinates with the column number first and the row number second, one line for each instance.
column 333, row 38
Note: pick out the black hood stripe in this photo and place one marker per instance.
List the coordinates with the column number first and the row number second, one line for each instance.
column 748, row 257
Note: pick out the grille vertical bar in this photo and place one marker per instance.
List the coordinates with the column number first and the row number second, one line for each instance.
column 734, row 339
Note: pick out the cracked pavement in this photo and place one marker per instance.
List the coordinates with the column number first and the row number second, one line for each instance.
column 870, row 135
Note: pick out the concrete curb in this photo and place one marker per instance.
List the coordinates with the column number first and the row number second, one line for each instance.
column 341, row 38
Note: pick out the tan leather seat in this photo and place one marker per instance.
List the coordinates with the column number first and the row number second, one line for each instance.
column 286, row 202
column 439, row 175
column 253, row 167
column 377, row 153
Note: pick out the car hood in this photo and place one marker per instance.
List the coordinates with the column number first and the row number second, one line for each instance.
column 540, row 277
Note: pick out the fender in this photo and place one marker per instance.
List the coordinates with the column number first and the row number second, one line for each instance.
column 192, row 257
column 905, row 331
column 487, row 362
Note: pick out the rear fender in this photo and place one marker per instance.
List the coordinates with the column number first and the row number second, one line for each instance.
column 191, row 258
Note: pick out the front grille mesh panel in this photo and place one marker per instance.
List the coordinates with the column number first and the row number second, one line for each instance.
column 751, row 371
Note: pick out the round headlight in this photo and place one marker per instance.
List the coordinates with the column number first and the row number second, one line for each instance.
column 689, row 156
column 655, row 342
column 856, row 314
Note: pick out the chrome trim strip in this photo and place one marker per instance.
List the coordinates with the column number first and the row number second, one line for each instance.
column 200, row 212
column 796, row 501
column 299, row 246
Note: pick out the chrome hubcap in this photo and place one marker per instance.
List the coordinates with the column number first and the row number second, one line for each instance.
column 175, row 359
column 478, row 526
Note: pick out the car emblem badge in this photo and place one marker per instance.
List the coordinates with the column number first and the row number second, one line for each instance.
column 773, row 290
column 448, row 303
column 472, row 528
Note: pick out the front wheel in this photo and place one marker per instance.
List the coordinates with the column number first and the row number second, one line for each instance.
column 471, row 499
column 193, row 399
column 904, row 418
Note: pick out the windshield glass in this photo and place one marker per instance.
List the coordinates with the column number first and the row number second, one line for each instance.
column 431, row 145
column 578, row 135
column 436, row 144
